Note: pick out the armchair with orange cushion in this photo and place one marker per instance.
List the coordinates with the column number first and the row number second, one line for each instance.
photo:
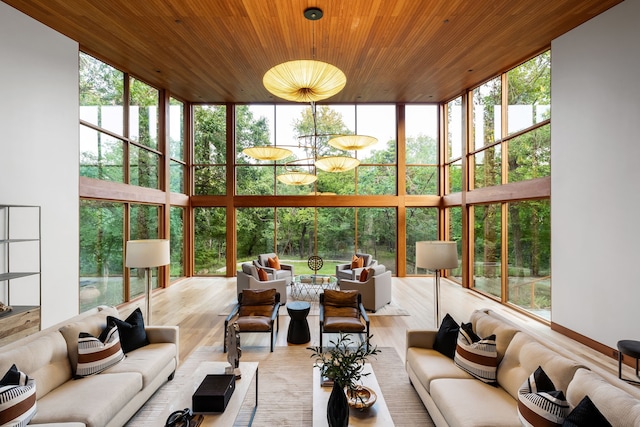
column 352, row 270
column 342, row 311
column 250, row 278
column 271, row 263
column 256, row 311
column 374, row 285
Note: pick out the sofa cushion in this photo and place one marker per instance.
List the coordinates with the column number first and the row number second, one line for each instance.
column 357, row 262
column 148, row 361
column 586, row 413
column 262, row 274
column 485, row 325
column 92, row 400
column 430, row 364
column 618, row 407
column 471, row 403
column 274, row 262
column 364, row 274
column 477, row 356
column 540, row 403
column 447, row 337
column 97, row 354
column 17, row 398
column 131, row 330
column 524, row 355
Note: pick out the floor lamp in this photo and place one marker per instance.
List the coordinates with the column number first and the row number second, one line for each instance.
column 147, row 254
column 438, row 255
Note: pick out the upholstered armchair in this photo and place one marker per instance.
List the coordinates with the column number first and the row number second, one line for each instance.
column 352, row 270
column 342, row 311
column 284, row 272
column 248, row 278
column 375, row 289
column 256, row 311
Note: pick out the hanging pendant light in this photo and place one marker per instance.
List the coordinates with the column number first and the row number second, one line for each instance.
column 267, row 152
column 297, row 178
column 304, row 80
column 352, row 142
column 337, row 163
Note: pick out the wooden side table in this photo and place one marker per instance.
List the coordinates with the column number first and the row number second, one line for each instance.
column 629, row 348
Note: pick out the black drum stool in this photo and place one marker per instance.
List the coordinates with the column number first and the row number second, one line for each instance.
column 629, row 348
column 298, row 326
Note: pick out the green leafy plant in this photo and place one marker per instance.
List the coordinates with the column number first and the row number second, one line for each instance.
column 342, row 362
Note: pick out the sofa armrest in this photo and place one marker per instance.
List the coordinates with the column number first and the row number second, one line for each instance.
column 162, row 334
column 422, row 338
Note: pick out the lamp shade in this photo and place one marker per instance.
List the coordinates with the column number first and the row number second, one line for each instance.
column 147, row 253
column 267, row 152
column 336, row 163
column 297, row 178
column 352, row 142
column 436, row 255
column 304, row 80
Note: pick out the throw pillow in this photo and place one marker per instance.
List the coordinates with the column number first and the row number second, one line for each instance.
column 98, row 354
column 364, row 274
column 357, row 262
column 262, row 274
column 539, row 403
column 586, row 413
column 274, row 262
column 131, row 331
column 17, row 398
column 447, row 337
column 478, row 356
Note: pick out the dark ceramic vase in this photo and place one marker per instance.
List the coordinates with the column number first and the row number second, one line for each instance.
column 338, row 407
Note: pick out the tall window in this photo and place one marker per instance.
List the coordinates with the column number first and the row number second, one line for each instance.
column 210, row 149
column 422, row 149
column 177, row 168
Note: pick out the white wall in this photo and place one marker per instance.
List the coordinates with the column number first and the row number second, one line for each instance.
column 39, row 147
column 595, row 176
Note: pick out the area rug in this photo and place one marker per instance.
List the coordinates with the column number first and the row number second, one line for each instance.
column 285, row 386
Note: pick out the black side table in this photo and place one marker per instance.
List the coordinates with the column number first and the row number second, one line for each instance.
column 298, row 327
column 629, row 348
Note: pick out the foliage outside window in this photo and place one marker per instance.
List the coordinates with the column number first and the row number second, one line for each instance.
column 453, row 144
column 210, row 244
column 422, row 224
column 210, row 149
column 487, row 261
column 455, row 235
column 143, row 224
column 421, row 129
column 487, row 121
column 101, row 155
column 488, row 167
column 177, row 167
column 529, row 93
column 176, row 240
column 530, row 155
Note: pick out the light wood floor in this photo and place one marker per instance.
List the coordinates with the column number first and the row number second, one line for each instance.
column 195, row 305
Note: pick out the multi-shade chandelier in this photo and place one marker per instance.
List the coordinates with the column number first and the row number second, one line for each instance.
column 309, row 81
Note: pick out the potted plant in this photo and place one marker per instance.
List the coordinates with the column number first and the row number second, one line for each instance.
column 343, row 364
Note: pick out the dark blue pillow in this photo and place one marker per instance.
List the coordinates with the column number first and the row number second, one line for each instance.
column 447, row 336
column 131, row 331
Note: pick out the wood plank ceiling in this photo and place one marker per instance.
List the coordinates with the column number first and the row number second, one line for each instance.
column 390, row 50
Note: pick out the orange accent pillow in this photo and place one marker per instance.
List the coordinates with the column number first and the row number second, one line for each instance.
column 364, row 274
column 262, row 275
column 357, row 262
column 274, row 262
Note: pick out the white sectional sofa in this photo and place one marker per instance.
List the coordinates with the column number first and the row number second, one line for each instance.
column 109, row 398
column 454, row 398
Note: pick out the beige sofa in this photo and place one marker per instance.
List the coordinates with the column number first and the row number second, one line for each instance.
column 455, row 398
column 109, row 398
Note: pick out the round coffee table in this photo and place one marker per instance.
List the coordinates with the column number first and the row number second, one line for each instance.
column 298, row 327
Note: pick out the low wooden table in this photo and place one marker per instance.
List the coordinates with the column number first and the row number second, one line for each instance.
column 377, row 415
column 176, row 395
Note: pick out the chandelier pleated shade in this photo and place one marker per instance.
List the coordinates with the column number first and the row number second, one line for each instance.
column 352, row 142
column 267, row 152
column 297, row 178
column 337, row 163
column 304, row 80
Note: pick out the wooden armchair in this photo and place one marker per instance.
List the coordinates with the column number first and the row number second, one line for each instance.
column 342, row 311
column 256, row 311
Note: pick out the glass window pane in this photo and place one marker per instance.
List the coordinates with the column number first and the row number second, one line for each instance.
column 101, row 155
column 378, row 121
column 143, row 113
column 210, row 180
column 296, row 238
column 377, row 180
column 210, row 245
column 455, row 177
column 529, row 93
column 530, row 155
column 176, row 176
column 143, row 224
column 422, row 134
column 488, row 167
column 422, row 225
column 487, row 119
column 255, row 233
column 422, row 180
column 286, row 134
column 177, row 215
column 210, row 134
column 176, row 129
column 336, row 236
column 377, row 234
column 101, row 94
column 101, row 254
column 455, row 129
column 254, row 180
column 530, row 256
column 455, row 234
column 487, row 274
column 339, row 182
column 144, row 169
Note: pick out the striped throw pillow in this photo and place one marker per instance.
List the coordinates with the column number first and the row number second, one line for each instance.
column 539, row 403
column 478, row 356
column 97, row 354
column 17, row 398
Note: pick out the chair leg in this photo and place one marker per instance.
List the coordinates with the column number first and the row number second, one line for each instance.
column 224, row 345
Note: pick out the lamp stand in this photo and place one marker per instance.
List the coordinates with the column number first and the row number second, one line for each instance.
column 147, row 316
column 436, row 298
